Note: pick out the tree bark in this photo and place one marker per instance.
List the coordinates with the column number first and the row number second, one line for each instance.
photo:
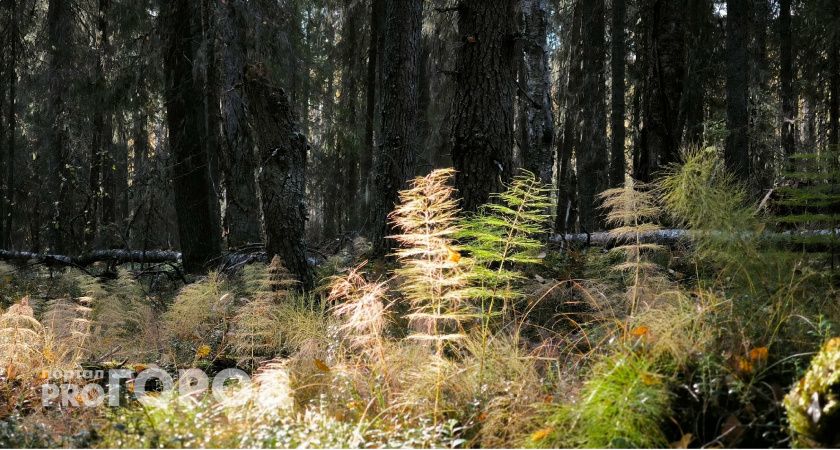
column 196, row 204
column 348, row 144
column 538, row 132
column 59, row 31
column 11, row 123
column 664, row 66
column 242, row 214
column 736, row 153
column 786, row 72
column 366, row 163
column 395, row 162
column 834, row 80
column 282, row 149
column 212, row 110
column 592, row 160
column 482, row 119
column 617, row 58
column 698, row 15
column 566, row 187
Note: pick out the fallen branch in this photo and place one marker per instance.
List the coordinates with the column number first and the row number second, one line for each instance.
column 116, row 256
column 672, row 237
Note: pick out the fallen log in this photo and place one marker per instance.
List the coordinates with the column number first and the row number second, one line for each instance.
column 86, row 259
column 672, row 237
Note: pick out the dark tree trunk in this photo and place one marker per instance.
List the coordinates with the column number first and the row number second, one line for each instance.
column 242, row 214
column 212, row 111
column 761, row 127
column 566, row 185
column 538, row 132
column 196, row 205
column 11, row 123
column 366, row 162
column 664, row 66
column 736, row 153
column 617, row 57
column 348, row 136
column 282, row 149
column 698, row 15
column 592, row 160
column 59, row 32
column 786, row 71
column 482, row 119
column 834, row 80
column 395, row 162
column 100, row 142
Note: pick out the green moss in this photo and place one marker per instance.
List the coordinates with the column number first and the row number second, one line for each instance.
column 813, row 406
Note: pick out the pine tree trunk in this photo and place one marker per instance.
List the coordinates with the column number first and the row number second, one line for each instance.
column 617, row 58
column 242, row 214
column 691, row 116
column 761, row 128
column 664, row 66
column 59, row 30
column 834, row 80
column 395, row 162
column 592, row 160
column 786, row 72
column 348, row 142
column 283, row 150
column 482, row 118
column 11, row 123
column 196, row 204
column 566, row 186
column 538, row 132
column 366, row 162
column 736, row 154
column 212, row 112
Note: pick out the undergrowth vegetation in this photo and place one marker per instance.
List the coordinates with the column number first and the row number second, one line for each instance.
column 477, row 334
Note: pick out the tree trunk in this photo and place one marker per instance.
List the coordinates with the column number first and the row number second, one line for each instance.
column 736, row 154
column 9, row 182
column 761, row 128
column 482, row 119
column 59, row 32
column 395, row 162
column 571, row 131
column 592, row 160
column 282, row 149
column 617, row 57
column 242, row 214
column 538, row 132
column 698, row 17
column 196, row 203
column 664, row 66
column 786, row 72
column 348, row 137
column 366, row 163
column 212, row 111
column 100, row 141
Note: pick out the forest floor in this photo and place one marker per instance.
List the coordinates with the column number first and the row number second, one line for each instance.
column 476, row 334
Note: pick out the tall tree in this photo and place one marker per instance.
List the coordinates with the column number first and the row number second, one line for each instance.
column 736, row 152
column 366, row 161
column 11, row 122
column 196, row 204
column 566, row 184
column 395, row 162
column 535, row 76
column 698, row 18
column 834, row 76
column 59, row 31
column 592, row 159
column 482, row 119
column 617, row 61
column 282, row 149
column 786, row 72
column 664, row 66
column 242, row 212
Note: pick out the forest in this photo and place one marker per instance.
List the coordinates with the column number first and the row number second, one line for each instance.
column 419, row 223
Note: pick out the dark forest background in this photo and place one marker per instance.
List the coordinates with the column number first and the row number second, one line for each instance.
column 210, row 125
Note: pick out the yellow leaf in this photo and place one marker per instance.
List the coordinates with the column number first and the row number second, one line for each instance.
column 453, row 256
column 639, row 331
column 684, row 441
column 202, row 351
column 759, row 354
column 541, row 434
column 11, row 372
column 321, row 365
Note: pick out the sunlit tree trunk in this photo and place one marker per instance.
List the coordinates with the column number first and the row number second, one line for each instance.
column 395, row 161
column 482, row 118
